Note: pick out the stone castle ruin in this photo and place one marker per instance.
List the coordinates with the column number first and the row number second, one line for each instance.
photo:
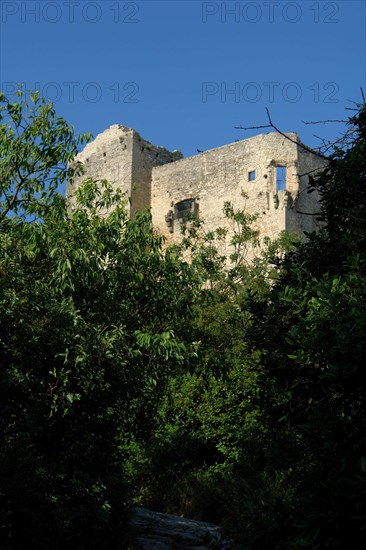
column 266, row 175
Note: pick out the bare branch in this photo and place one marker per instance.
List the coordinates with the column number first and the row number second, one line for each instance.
column 253, row 127
column 286, row 136
column 305, row 147
column 308, row 213
column 10, row 204
column 324, row 121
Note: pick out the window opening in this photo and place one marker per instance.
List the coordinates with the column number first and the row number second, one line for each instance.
column 280, row 178
column 251, row 175
column 182, row 208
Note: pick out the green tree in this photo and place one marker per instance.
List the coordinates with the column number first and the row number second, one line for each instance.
column 92, row 317
column 210, row 433
column 35, row 148
column 311, row 334
column 267, row 431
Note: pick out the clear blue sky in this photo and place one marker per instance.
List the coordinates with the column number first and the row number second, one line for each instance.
column 167, row 68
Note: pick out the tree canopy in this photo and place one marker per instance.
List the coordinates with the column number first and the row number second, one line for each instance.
column 91, row 317
column 131, row 372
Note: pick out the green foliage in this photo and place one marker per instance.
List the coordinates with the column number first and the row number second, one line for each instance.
column 35, row 147
column 92, row 315
column 221, row 388
column 311, row 333
column 237, row 264
column 267, row 432
column 211, row 433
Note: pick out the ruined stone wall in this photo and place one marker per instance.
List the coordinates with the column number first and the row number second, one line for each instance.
column 307, row 204
column 108, row 157
column 243, row 173
column 122, row 157
column 145, row 156
column 222, row 174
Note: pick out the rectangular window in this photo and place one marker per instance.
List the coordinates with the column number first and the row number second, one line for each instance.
column 182, row 208
column 280, row 178
column 251, row 175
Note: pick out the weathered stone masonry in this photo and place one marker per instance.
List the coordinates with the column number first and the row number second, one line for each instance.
column 271, row 170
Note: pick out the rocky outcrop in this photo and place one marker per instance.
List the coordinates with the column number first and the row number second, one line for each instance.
column 157, row 531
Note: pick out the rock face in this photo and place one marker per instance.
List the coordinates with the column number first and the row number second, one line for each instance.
column 157, row 531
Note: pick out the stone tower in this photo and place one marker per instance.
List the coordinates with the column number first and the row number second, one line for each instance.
column 122, row 157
